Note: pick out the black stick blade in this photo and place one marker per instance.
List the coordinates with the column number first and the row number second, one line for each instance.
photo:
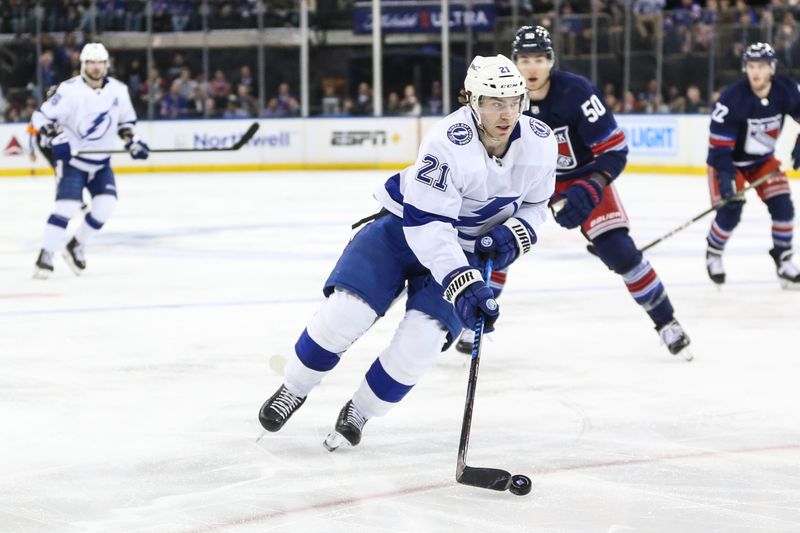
column 485, row 478
column 246, row 137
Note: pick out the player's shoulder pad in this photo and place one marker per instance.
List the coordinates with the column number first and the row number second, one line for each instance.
column 786, row 83
column 539, row 128
column 735, row 90
column 573, row 83
column 454, row 132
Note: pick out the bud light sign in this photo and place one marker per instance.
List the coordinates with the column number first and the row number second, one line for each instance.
column 651, row 136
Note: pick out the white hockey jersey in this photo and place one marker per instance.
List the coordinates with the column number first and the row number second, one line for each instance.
column 89, row 117
column 456, row 191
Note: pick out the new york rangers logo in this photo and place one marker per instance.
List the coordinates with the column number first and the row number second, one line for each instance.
column 94, row 127
column 566, row 156
column 459, row 134
column 539, row 128
column 762, row 134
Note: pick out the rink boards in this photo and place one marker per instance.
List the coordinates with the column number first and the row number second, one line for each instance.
column 658, row 143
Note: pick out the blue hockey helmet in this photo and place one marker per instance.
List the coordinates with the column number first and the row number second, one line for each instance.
column 760, row 52
column 533, row 40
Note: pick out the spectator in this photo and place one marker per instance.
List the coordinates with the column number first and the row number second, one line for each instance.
column 49, row 76
column 363, row 104
column 410, row 105
column 435, row 103
column 786, row 38
column 271, row 110
column 392, row 105
column 647, row 15
column 629, row 103
column 185, row 84
column 174, row 105
column 246, row 78
column 287, row 104
column 134, row 15
column 220, row 88
column 694, row 104
column 196, row 101
column 676, row 103
column 233, row 109
column 180, row 11
column 330, row 100
column 247, row 103
column 153, row 89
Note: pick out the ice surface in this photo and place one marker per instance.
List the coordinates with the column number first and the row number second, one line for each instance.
column 128, row 396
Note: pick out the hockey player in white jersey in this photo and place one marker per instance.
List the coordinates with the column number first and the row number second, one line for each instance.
column 84, row 114
column 481, row 172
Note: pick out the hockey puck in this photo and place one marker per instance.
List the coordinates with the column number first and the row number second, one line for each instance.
column 520, row 485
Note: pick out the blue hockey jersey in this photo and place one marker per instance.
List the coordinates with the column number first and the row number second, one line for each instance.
column 589, row 139
column 745, row 128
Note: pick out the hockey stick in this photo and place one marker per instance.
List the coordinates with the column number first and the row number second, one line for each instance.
column 557, row 206
column 485, row 478
column 244, row 139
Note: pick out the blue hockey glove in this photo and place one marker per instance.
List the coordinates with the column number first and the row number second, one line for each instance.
column 506, row 242
column 582, row 197
column 726, row 182
column 138, row 149
column 471, row 297
column 796, row 154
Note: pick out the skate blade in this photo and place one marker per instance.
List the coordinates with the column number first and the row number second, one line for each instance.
column 686, row 353
column 71, row 264
column 789, row 286
column 41, row 273
column 334, row 440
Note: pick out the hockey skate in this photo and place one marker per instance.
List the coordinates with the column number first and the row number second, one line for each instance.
column 348, row 428
column 714, row 265
column 788, row 273
column 44, row 265
column 464, row 343
column 675, row 339
column 278, row 409
column 73, row 255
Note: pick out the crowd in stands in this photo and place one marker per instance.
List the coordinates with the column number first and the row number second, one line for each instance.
column 178, row 88
column 19, row 16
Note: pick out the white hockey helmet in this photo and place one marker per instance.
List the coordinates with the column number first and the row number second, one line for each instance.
column 495, row 77
column 93, row 52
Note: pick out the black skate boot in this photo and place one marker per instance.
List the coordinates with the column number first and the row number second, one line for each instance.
column 73, row 255
column 714, row 265
column 675, row 339
column 788, row 273
column 348, row 427
column 464, row 343
column 44, row 265
column 277, row 410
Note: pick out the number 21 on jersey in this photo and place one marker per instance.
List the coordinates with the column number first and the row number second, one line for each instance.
column 428, row 174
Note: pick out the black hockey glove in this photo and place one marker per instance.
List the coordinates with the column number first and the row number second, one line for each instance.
column 582, row 197
column 46, row 135
column 506, row 242
column 471, row 297
column 726, row 182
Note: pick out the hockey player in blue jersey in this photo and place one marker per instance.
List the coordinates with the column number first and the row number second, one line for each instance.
column 592, row 152
column 745, row 125
column 480, row 186
column 85, row 113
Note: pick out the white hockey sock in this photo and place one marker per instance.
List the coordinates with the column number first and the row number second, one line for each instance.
column 411, row 353
column 53, row 237
column 102, row 208
column 340, row 321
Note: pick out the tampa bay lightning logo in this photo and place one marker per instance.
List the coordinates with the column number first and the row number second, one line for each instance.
column 94, row 127
column 539, row 128
column 459, row 134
